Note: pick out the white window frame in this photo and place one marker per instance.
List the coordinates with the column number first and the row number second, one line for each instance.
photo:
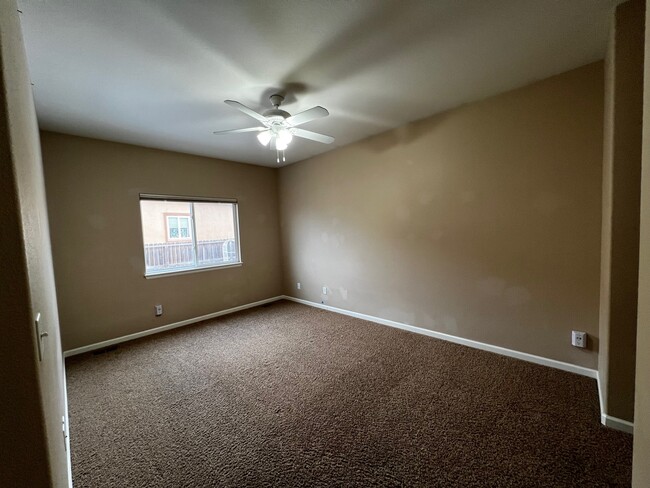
column 187, row 199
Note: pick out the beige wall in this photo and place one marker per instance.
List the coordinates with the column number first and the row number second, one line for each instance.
column 621, row 194
column 93, row 190
column 641, row 466
column 32, row 397
column 482, row 222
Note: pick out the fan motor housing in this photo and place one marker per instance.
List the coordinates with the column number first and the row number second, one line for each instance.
column 277, row 114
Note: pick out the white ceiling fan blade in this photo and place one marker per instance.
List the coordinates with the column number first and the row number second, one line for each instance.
column 314, row 136
column 307, row 115
column 246, row 110
column 236, row 131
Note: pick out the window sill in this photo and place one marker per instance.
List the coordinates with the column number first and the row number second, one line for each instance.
column 162, row 274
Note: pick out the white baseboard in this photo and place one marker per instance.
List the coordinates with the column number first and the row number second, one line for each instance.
column 163, row 328
column 68, row 453
column 601, row 400
column 531, row 358
column 608, row 420
column 618, row 424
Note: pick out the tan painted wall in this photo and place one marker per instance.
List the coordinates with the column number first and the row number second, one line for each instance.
column 32, row 396
column 641, row 466
column 93, row 188
column 621, row 196
column 483, row 222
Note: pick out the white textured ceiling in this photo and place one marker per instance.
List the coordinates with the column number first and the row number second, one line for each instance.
column 156, row 72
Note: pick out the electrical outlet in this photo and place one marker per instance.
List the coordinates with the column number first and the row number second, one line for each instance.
column 298, row 285
column 324, row 290
column 578, row 339
column 159, row 310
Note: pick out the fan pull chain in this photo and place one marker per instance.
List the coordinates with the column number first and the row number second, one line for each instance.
column 277, row 156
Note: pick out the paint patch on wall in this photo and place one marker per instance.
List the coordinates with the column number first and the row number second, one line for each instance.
column 428, row 321
column 467, row 197
column 137, row 263
column 547, row 203
column 397, row 315
column 402, row 213
column 450, row 323
column 97, row 222
column 491, row 286
column 517, row 295
column 343, row 292
column 425, row 198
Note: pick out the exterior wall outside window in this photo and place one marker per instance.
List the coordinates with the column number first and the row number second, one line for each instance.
column 213, row 222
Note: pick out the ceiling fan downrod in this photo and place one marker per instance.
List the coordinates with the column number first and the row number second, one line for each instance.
column 276, row 100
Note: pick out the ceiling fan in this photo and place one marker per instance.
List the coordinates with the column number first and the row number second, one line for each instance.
column 278, row 127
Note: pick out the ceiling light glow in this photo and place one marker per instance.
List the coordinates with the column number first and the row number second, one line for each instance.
column 280, row 145
column 264, row 137
column 285, row 136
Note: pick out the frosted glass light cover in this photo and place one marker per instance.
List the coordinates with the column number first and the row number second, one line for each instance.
column 284, row 136
column 264, row 137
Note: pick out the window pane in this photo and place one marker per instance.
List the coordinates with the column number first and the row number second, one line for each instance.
column 164, row 247
column 184, row 223
column 215, row 227
column 168, row 236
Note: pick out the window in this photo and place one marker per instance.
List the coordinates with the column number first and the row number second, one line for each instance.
column 182, row 234
column 178, row 227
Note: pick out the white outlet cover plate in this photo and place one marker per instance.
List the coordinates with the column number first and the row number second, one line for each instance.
column 578, row 339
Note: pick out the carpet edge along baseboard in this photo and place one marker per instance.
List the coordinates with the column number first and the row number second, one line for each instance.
column 608, row 420
column 163, row 328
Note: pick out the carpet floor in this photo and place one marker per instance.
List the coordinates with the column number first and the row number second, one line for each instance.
column 287, row 395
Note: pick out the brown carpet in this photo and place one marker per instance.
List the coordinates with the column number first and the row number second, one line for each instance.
column 287, row 395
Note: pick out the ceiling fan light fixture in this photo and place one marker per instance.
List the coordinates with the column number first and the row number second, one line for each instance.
column 280, row 145
column 264, row 137
column 285, row 136
column 280, row 127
